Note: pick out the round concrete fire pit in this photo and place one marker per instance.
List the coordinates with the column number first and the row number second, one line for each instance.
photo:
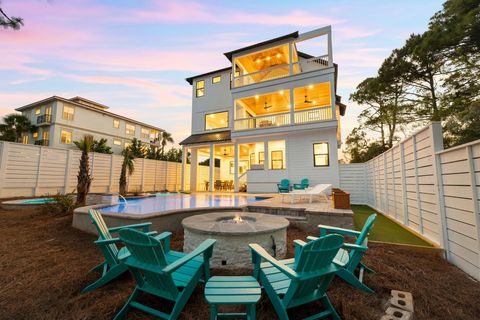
column 234, row 231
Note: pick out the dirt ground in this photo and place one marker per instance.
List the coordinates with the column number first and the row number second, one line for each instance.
column 44, row 264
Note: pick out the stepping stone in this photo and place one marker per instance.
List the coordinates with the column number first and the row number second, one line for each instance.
column 402, row 300
column 393, row 313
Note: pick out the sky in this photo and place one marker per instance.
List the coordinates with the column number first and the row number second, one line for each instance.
column 134, row 56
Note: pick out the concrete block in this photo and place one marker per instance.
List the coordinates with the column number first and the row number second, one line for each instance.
column 402, row 300
column 398, row 314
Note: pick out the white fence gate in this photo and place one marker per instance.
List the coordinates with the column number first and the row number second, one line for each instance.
column 28, row 170
column 434, row 192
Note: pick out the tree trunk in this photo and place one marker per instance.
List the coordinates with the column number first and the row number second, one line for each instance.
column 123, row 180
column 83, row 179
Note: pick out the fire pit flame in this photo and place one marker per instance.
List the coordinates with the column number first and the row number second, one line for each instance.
column 237, row 219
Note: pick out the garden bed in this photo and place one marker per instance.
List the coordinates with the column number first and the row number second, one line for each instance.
column 44, row 265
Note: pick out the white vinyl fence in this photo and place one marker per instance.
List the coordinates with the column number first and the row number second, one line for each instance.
column 431, row 191
column 28, row 170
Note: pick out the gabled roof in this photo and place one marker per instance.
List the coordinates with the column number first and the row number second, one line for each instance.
column 190, row 79
column 219, row 136
column 260, row 44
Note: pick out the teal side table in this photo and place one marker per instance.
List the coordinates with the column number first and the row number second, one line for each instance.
column 243, row 290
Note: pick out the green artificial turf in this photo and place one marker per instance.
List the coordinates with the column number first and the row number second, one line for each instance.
column 385, row 230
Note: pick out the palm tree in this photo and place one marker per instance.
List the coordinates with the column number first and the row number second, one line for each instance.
column 137, row 149
column 84, row 179
column 14, row 126
column 100, row 146
column 154, row 153
column 165, row 137
column 127, row 166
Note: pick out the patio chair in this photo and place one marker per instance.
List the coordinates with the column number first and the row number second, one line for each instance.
column 283, row 186
column 318, row 190
column 113, row 266
column 156, row 274
column 301, row 280
column 350, row 260
column 302, row 185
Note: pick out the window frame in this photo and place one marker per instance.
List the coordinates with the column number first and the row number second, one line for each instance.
column 61, row 134
column 321, row 154
column 219, row 77
column 127, row 130
column 68, row 117
column 116, row 121
column 37, row 111
column 219, row 128
column 197, row 89
column 117, row 140
column 277, row 160
column 144, row 135
column 261, row 159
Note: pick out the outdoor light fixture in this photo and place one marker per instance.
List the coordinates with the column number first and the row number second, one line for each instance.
column 310, row 86
column 281, row 92
column 256, row 96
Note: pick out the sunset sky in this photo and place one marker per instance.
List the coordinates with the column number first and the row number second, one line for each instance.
column 134, row 55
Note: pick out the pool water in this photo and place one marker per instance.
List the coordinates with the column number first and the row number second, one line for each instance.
column 180, row 201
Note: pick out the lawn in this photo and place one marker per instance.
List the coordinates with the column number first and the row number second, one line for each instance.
column 385, row 230
column 44, row 265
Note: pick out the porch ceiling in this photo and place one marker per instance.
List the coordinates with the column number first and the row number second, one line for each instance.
column 218, row 136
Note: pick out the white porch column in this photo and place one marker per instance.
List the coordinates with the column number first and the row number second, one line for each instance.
column 193, row 169
column 330, row 51
column 290, row 53
column 235, row 165
column 211, row 169
column 266, row 156
column 292, row 107
column 184, row 163
column 333, row 97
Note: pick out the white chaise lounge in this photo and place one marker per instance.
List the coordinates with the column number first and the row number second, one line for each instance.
column 318, row 190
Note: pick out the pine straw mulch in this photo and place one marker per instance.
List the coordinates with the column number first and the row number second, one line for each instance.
column 44, row 264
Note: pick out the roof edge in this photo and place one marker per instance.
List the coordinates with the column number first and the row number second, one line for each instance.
column 190, row 79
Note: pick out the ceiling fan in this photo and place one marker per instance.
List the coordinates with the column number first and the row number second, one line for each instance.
column 225, row 153
column 266, row 107
column 306, row 100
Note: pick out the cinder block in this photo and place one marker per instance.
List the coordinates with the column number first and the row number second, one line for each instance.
column 398, row 314
column 388, row 317
column 402, row 300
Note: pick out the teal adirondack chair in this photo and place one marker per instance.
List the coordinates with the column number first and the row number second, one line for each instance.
column 157, row 274
column 283, row 186
column 306, row 278
column 350, row 256
column 112, row 267
column 302, row 185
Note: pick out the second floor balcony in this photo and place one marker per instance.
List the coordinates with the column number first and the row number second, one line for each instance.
column 44, row 119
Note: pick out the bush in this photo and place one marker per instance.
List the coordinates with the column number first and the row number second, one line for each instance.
column 62, row 204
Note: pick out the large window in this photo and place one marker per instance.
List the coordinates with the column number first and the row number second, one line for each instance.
column 117, row 142
column 320, row 154
column 216, row 79
column 216, row 120
column 200, row 88
column 277, row 155
column 130, row 129
column 145, row 133
column 65, row 137
column 37, row 111
column 116, row 124
column 68, row 112
column 25, row 139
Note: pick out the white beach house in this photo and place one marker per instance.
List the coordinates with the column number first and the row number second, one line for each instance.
column 272, row 114
column 61, row 121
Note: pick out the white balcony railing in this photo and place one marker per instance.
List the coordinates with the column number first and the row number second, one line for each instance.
column 281, row 71
column 274, row 120
column 313, row 115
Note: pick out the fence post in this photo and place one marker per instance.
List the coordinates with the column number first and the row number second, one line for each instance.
column 112, row 166
column 473, row 184
column 39, row 165
column 385, row 180
column 404, row 183
column 417, row 187
column 142, row 178
column 3, row 164
column 68, row 165
column 394, row 185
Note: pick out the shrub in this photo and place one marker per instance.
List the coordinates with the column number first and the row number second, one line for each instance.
column 62, row 204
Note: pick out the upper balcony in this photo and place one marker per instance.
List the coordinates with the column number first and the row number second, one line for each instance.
column 281, row 57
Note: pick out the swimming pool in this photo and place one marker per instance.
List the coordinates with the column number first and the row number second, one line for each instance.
column 169, row 202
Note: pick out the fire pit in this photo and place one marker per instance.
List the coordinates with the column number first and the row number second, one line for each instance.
column 233, row 232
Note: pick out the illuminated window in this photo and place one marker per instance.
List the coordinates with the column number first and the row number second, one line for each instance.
column 153, row 135
column 68, row 112
column 320, row 154
column 216, row 120
column 200, row 88
column 35, row 135
column 261, row 157
column 116, row 124
column 65, row 137
column 37, row 111
column 130, row 129
column 145, row 133
column 117, row 142
column 216, row 79
column 25, row 139
column 277, row 155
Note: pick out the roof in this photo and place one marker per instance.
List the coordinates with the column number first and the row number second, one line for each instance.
column 219, row 136
column 88, row 102
column 260, row 44
column 86, row 106
column 190, row 79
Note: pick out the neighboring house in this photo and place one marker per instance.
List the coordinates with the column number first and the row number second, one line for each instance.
column 272, row 114
column 61, row 121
